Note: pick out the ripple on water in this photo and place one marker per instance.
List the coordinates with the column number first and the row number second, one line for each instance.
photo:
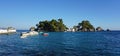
column 62, row 44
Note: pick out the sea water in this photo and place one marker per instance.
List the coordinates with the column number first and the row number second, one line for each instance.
column 62, row 44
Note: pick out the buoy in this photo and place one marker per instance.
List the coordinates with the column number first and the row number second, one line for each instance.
column 40, row 32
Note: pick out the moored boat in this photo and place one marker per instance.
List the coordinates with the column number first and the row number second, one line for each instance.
column 26, row 34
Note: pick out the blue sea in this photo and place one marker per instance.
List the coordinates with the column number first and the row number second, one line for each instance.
column 61, row 44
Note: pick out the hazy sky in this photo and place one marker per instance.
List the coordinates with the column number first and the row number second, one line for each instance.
column 22, row 14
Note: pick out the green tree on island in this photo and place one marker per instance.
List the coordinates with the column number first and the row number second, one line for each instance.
column 51, row 26
column 85, row 25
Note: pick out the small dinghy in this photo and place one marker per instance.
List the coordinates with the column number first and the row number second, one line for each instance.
column 45, row 34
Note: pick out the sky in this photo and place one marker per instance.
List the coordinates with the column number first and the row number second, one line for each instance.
column 22, row 14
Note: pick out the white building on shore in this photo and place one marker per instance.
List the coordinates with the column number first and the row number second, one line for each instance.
column 70, row 30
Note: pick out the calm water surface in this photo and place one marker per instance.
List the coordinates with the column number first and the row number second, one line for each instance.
column 62, row 44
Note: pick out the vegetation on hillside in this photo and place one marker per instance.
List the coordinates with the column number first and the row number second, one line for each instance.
column 51, row 26
column 85, row 25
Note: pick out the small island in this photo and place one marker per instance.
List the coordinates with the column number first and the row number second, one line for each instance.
column 84, row 26
column 51, row 26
